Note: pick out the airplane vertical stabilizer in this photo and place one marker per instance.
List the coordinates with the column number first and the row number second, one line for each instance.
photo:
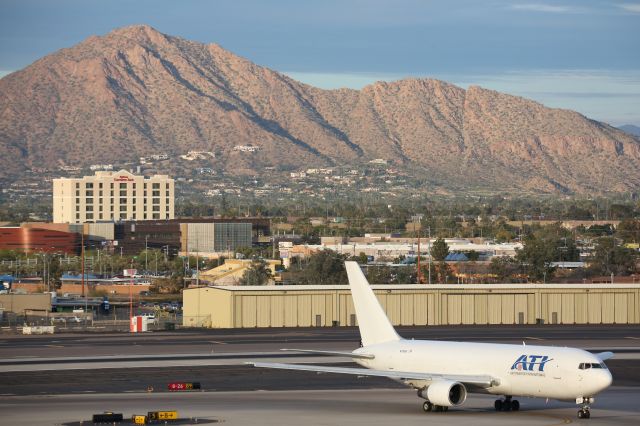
column 374, row 325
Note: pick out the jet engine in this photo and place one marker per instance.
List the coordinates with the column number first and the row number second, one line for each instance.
column 445, row 393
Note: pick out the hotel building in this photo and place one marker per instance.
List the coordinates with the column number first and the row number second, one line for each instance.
column 112, row 196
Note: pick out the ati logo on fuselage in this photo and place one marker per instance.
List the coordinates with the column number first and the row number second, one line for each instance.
column 530, row 363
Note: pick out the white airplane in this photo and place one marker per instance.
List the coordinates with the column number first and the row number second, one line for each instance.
column 444, row 372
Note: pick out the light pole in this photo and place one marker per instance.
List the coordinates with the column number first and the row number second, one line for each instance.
column 146, row 264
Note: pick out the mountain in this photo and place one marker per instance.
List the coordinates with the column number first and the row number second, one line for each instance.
column 631, row 129
column 136, row 91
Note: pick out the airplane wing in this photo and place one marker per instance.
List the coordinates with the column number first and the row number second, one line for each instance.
column 478, row 381
column 332, row 353
column 603, row 356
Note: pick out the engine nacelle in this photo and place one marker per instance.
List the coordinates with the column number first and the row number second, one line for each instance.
column 445, row 393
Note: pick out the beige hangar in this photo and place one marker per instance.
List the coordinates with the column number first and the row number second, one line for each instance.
column 326, row 306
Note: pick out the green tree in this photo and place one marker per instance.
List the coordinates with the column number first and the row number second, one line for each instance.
column 504, row 268
column 629, row 230
column 323, row 267
column 361, row 258
column 439, row 250
column 611, row 258
column 536, row 256
column 257, row 274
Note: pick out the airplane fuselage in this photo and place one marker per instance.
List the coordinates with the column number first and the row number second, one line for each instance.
column 519, row 370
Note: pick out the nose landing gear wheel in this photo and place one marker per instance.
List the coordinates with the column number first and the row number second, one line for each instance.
column 584, row 414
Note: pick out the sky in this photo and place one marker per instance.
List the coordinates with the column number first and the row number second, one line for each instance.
column 576, row 54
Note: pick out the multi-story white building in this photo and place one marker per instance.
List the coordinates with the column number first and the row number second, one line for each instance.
column 112, row 196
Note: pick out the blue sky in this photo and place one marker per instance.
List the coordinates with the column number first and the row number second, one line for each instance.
column 580, row 55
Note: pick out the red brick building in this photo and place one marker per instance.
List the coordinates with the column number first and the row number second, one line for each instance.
column 31, row 240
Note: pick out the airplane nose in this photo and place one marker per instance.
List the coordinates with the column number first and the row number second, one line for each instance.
column 607, row 379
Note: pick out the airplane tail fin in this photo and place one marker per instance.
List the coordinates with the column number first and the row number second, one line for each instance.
column 374, row 325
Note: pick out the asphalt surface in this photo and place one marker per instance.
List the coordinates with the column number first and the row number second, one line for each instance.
column 141, row 366
column 365, row 407
column 263, row 340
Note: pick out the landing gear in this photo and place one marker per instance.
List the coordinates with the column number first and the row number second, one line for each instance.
column 584, row 412
column 428, row 407
column 507, row 404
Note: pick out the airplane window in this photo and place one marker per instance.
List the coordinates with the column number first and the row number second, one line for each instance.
column 587, row 365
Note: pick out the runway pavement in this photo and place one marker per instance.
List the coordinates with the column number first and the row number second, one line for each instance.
column 62, row 379
column 370, row 407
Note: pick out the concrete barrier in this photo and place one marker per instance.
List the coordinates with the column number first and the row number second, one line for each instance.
column 38, row 329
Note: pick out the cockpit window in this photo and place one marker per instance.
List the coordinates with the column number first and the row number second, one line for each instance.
column 587, row 365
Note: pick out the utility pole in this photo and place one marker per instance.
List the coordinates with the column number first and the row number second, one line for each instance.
column 82, row 259
column 429, row 250
column 146, row 263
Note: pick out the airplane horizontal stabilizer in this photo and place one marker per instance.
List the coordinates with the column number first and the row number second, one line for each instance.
column 333, row 353
column 479, row 381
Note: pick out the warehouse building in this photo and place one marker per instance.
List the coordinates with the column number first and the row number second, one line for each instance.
column 326, row 306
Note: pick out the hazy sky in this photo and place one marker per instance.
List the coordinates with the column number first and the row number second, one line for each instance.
column 582, row 55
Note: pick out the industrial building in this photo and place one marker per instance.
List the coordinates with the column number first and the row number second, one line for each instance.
column 325, row 306
column 28, row 240
column 112, row 196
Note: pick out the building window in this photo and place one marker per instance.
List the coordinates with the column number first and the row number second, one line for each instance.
column 123, row 208
column 123, row 186
column 123, row 201
column 77, row 200
column 89, row 185
column 156, row 193
column 77, row 185
column 89, row 200
column 123, row 215
column 77, row 216
column 111, row 185
column 77, row 192
column 134, row 193
column 100, row 216
column 112, row 193
column 89, row 208
column 123, row 193
column 89, row 193
column 100, row 207
column 156, row 186
column 156, row 215
column 156, row 201
column 100, row 195
column 167, row 186
column 89, row 215
column 167, row 202
column 156, row 208
column 100, row 185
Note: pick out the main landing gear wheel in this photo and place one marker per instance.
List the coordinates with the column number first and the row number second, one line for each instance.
column 507, row 404
column 428, row 407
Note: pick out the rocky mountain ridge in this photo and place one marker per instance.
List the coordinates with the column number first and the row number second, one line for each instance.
column 136, row 91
